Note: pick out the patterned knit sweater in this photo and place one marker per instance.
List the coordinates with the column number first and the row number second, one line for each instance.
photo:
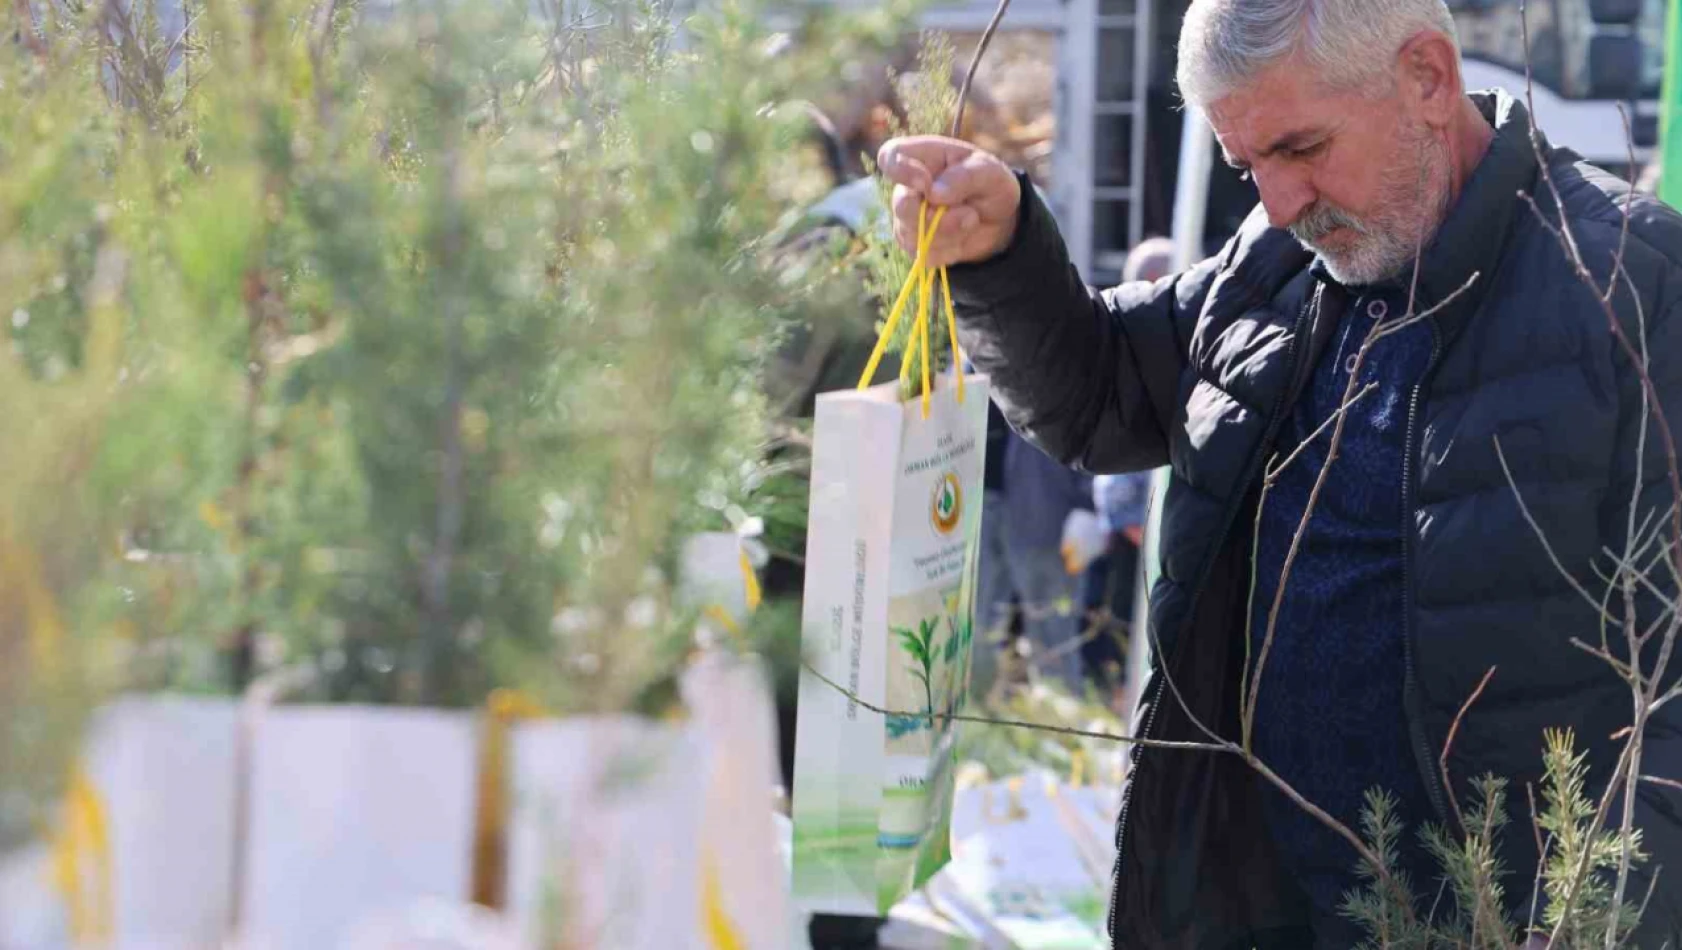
column 1330, row 716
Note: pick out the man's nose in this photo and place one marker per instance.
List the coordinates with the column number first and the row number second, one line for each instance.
column 1285, row 193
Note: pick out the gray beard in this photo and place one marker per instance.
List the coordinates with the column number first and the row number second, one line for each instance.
column 1384, row 248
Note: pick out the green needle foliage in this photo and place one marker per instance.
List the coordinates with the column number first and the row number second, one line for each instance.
column 1465, row 907
column 930, row 101
column 404, row 343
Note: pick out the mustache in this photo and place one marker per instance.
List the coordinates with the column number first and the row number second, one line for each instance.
column 1321, row 220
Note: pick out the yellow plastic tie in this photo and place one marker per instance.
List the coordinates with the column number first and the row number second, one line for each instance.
column 952, row 334
column 85, row 833
column 721, row 931
column 913, row 342
column 487, row 878
column 925, row 238
column 750, row 582
column 923, row 337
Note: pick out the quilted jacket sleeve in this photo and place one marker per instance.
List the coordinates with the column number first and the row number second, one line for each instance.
column 1090, row 377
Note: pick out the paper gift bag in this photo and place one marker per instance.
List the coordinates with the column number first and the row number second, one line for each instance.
column 887, row 618
column 354, row 810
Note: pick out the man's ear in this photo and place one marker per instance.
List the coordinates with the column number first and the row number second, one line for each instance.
column 1429, row 71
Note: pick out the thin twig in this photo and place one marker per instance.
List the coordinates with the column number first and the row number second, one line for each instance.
column 1646, row 366
column 1367, row 854
column 1249, row 712
column 1652, row 883
column 1668, row 615
column 1632, row 574
column 1542, row 847
column 1603, row 655
column 1643, row 689
column 1274, row 470
column 1535, row 134
column 1669, row 695
column 1623, row 230
column 974, row 64
column 1666, row 782
column 1574, row 256
column 1218, row 745
column 1377, row 332
column 1530, row 519
column 1015, row 723
column 1397, row 326
column 1168, row 681
column 1371, row 857
column 1448, row 744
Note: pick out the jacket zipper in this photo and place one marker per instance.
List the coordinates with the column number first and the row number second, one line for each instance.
column 1410, row 681
column 1293, row 354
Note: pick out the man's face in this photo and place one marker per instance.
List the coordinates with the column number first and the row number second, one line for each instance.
column 1354, row 177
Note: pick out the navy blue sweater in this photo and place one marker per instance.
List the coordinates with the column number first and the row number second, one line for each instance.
column 1330, row 717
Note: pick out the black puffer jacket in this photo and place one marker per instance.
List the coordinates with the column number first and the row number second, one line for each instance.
column 1197, row 372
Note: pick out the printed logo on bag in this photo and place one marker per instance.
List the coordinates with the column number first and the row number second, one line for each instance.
column 946, row 508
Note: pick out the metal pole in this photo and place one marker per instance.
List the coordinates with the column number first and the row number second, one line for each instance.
column 1191, row 201
column 1191, row 188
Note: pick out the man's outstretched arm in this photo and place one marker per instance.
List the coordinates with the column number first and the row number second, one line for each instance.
column 1090, row 377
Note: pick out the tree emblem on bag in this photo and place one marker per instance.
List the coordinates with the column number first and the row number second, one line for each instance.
column 946, row 508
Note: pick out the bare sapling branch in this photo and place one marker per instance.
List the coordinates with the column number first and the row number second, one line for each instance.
column 1251, row 695
column 1627, row 577
column 974, row 64
column 940, row 716
column 1448, row 745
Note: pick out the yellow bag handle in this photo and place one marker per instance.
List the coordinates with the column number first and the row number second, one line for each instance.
column 504, row 709
column 721, row 931
column 84, row 834
column 921, row 280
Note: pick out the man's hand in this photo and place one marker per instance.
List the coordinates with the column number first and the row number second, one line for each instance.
column 980, row 192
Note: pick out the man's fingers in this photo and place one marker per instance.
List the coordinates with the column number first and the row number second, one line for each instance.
column 979, row 193
column 977, row 178
column 955, row 225
column 915, row 161
column 897, row 164
column 906, row 205
column 958, row 220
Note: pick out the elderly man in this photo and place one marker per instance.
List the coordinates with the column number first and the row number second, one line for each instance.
column 1417, row 573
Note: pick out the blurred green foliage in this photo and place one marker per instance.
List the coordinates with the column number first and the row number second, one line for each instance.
column 403, row 342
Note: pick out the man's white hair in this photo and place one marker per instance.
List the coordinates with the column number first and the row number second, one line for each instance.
column 1347, row 43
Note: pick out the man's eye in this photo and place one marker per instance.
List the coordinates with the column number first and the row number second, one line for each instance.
column 1308, row 152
